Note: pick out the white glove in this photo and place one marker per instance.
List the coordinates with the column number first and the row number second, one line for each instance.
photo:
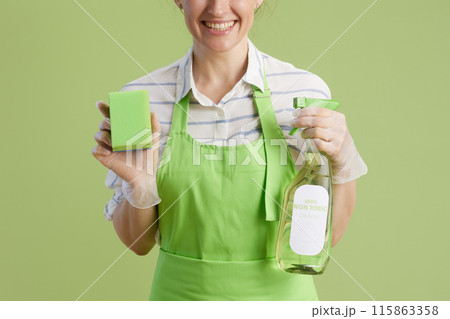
column 142, row 191
column 328, row 129
column 344, row 170
column 136, row 168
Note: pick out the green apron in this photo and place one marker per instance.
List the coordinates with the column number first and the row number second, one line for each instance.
column 218, row 239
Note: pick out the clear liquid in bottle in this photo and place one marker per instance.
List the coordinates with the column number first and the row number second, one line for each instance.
column 304, row 232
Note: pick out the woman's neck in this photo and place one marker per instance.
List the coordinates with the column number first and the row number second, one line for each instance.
column 216, row 73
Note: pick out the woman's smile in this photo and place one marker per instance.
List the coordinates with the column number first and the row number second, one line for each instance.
column 219, row 27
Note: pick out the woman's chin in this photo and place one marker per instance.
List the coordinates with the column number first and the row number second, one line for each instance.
column 220, row 45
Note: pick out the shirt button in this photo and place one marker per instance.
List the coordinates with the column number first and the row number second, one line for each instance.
column 220, row 127
column 220, row 113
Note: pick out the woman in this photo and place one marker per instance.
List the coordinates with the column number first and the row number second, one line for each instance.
column 220, row 117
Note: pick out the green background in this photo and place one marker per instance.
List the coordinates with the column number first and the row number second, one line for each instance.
column 390, row 71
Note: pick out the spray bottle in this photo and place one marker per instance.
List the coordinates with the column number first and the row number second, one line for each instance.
column 304, row 231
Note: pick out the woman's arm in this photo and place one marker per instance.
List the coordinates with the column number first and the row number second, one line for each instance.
column 343, row 205
column 136, row 227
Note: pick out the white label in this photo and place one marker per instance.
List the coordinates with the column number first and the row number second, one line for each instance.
column 309, row 220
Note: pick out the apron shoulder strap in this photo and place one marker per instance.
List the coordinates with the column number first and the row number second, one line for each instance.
column 179, row 116
column 275, row 146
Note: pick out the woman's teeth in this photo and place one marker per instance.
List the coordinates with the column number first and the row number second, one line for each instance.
column 219, row 26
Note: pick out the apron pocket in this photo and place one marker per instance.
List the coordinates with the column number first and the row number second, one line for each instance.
column 184, row 278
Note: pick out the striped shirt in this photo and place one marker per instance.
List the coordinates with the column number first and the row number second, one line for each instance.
column 235, row 119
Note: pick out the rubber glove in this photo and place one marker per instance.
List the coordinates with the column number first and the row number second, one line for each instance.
column 136, row 168
column 328, row 129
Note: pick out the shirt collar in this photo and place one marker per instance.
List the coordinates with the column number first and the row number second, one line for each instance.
column 253, row 76
column 255, row 69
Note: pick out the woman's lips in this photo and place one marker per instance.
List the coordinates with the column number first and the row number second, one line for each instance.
column 219, row 27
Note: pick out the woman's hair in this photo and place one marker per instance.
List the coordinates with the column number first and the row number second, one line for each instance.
column 265, row 6
column 260, row 8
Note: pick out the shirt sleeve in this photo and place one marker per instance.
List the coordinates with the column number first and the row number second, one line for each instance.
column 114, row 182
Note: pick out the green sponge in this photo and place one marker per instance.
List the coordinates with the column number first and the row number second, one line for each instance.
column 130, row 120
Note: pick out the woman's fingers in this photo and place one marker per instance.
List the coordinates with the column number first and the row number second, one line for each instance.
column 156, row 126
column 156, row 129
column 103, row 107
column 105, row 124
column 317, row 132
column 330, row 148
column 312, row 121
column 313, row 111
column 99, row 151
column 103, row 138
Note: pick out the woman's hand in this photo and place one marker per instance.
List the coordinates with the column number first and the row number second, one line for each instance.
column 139, row 173
column 328, row 129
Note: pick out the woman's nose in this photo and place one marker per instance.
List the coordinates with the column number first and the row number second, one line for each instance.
column 218, row 8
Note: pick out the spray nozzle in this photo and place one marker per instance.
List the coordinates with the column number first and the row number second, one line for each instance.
column 302, row 102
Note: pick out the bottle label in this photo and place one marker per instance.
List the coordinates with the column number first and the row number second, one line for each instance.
column 309, row 220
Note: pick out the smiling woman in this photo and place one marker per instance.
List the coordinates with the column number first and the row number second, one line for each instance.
column 207, row 22
column 221, row 117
